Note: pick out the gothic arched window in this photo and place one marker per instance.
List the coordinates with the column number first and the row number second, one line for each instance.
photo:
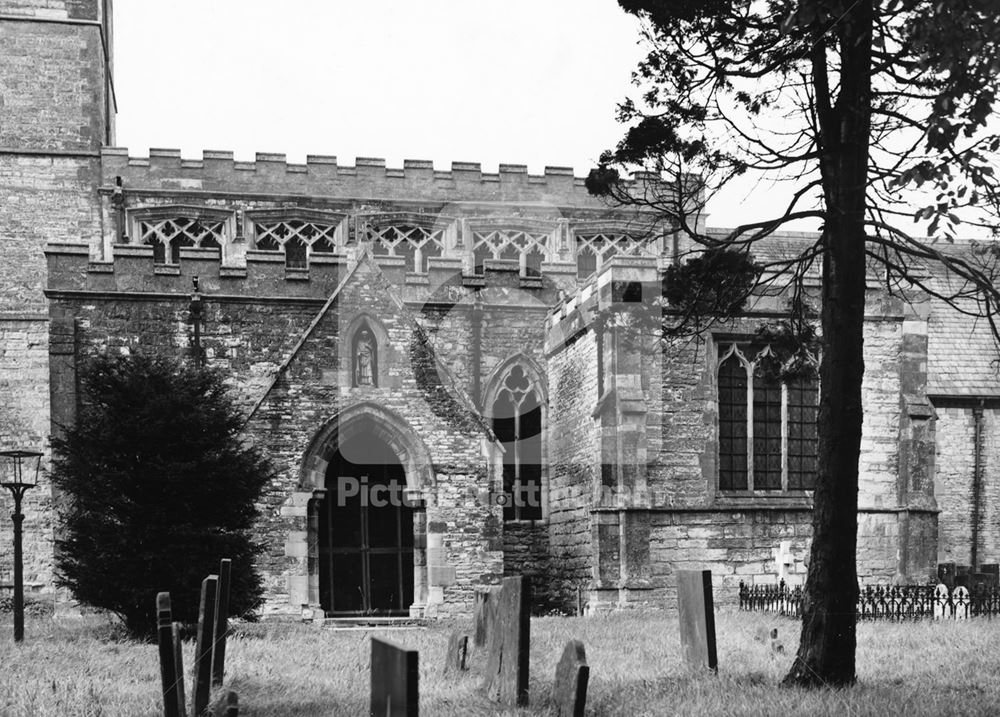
column 767, row 423
column 364, row 357
column 517, row 423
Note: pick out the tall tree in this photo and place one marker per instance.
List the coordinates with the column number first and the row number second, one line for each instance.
column 865, row 109
column 159, row 486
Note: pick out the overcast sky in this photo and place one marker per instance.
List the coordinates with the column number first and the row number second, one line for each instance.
column 521, row 82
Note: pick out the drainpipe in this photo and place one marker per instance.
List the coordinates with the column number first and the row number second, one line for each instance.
column 977, row 481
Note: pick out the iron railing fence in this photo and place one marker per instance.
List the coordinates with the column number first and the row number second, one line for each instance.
column 884, row 602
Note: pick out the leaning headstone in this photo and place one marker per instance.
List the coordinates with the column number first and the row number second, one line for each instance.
column 171, row 678
column 483, row 610
column 572, row 676
column 458, row 650
column 697, row 618
column 221, row 624
column 203, row 650
column 225, row 704
column 506, row 677
column 179, row 661
column 961, row 602
column 942, row 609
column 394, row 686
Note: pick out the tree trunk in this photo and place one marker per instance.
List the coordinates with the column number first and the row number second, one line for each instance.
column 828, row 640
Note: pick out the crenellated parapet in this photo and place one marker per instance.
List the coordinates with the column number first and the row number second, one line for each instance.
column 322, row 176
column 624, row 281
column 265, row 276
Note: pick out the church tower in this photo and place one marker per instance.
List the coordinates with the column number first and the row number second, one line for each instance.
column 57, row 110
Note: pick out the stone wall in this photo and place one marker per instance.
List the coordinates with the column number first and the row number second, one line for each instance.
column 55, row 112
column 954, row 483
column 573, row 466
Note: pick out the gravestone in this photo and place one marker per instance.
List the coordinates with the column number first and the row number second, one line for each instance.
column 697, row 618
column 483, row 609
column 942, row 610
column 572, row 676
column 221, row 624
column 179, row 661
column 946, row 574
column 992, row 569
column 506, row 678
column 979, row 582
column 394, row 681
column 203, row 649
column 171, row 673
column 784, row 560
column 458, row 650
column 960, row 599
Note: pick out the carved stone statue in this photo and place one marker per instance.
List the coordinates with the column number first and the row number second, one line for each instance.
column 364, row 359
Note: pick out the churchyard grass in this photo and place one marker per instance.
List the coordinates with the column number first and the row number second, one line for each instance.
column 73, row 667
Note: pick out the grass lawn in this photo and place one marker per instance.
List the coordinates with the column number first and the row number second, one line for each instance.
column 72, row 667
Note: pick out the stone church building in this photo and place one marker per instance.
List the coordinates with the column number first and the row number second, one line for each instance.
column 416, row 350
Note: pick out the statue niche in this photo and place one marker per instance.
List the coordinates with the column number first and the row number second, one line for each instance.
column 364, row 355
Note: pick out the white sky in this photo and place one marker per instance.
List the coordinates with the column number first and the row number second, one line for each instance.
column 519, row 82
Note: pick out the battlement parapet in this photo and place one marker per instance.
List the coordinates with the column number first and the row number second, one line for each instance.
column 622, row 280
column 265, row 275
column 218, row 171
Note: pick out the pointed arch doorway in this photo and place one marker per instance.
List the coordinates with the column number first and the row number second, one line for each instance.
column 366, row 531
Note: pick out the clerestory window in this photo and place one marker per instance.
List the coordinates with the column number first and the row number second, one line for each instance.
column 767, row 422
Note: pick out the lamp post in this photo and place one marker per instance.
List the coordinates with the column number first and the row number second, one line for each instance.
column 19, row 473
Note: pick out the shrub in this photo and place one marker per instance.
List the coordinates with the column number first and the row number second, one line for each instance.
column 157, row 486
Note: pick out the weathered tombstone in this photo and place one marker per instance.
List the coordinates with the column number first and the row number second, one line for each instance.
column 458, row 650
column 203, row 650
column 221, row 624
column 979, row 582
column 170, row 677
column 179, row 661
column 992, row 569
column 942, row 610
column 572, row 676
column 506, row 678
column 225, row 704
column 946, row 574
column 697, row 618
column 483, row 610
column 394, row 686
column 961, row 602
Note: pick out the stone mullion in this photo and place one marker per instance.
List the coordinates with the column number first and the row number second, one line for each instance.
column 749, row 370
column 784, row 437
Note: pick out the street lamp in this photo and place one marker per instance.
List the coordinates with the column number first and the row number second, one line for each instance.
column 18, row 473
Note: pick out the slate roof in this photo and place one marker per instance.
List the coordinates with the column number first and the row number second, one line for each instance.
column 963, row 357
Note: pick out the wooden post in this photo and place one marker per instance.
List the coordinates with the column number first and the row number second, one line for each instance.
column 169, row 677
column 203, row 652
column 221, row 624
